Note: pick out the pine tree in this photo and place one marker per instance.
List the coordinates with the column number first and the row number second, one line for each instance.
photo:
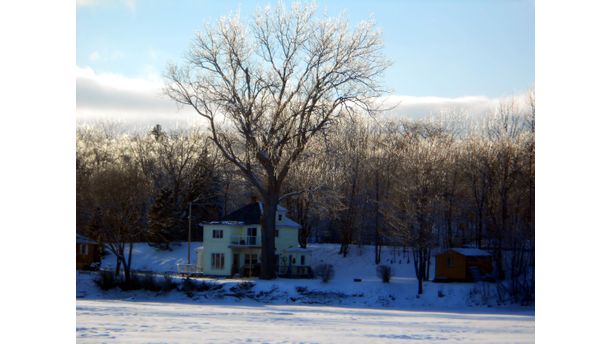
column 161, row 220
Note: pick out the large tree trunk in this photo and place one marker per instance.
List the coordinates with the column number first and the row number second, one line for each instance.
column 126, row 272
column 428, row 264
column 377, row 234
column 449, row 224
column 268, row 225
column 128, row 268
column 419, row 259
column 303, row 207
column 117, row 266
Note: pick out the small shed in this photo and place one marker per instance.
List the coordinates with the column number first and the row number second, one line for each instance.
column 463, row 265
column 87, row 252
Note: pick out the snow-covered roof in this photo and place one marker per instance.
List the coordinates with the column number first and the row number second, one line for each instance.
column 471, row 252
column 289, row 223
column 228, row 223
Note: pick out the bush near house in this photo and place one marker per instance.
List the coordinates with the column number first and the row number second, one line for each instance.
column 325, row 272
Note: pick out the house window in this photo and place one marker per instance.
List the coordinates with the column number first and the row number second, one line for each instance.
column 252, row 236
column 217, row 261
column 217, row 234
column 250, row 259
column 302, row 260
column 292, row 260
column 83, row 249
column 449, row 262
column 280, row 217
column 276, row 233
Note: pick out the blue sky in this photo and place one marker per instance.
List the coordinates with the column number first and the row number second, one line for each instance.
column 439, row 48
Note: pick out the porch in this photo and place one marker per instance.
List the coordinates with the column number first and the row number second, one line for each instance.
column 245, row 241
column 288, row 271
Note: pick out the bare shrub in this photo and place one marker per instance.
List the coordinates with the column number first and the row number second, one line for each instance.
column 384, row 272
column 325, row 272
column 106, row 280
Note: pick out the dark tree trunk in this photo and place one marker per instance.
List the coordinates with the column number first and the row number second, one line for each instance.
column 377, row 234
column 303, row 207
column 419, row 258
column 449, row 223
column 268, row 225
column 128, row 267
column 117, row 266
column 126, row 272
column 428, row 264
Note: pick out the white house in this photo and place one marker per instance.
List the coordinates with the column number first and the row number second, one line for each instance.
column 232, row 246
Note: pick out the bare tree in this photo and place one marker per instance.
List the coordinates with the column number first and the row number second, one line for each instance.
column 315, row 198
column 119, row 194
column 267, row 88
column 411, row 207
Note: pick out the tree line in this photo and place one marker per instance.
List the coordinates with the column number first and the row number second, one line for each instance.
column 420, row 184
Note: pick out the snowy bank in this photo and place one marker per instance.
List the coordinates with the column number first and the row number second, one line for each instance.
column 341, row 290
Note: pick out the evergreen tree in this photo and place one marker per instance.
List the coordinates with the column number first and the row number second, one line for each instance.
column 161, row 220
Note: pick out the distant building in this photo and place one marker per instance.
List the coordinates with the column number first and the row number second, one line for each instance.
column 463, row 265
column 232, row 246
column 87, row 253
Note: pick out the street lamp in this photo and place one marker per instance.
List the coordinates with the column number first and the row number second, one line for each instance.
column 195, row 201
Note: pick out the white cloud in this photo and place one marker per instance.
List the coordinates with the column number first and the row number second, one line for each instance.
column 419, row 107
column 140, row 100
column 105, row 96
column 96, row 56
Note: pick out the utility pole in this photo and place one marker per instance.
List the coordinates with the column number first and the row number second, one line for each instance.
column 189, row 229
column 189, row 237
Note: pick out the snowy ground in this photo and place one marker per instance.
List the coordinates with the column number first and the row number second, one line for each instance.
column 340, row 311
column 401, row 292
column 129, row 321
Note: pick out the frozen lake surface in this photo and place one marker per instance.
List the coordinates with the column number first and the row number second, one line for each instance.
column 167, row 322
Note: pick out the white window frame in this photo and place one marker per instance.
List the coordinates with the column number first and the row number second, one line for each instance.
column 217, row 233
column 217, row 261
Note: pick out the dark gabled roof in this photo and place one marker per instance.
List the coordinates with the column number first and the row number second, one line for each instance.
column 250, row 214
column 471, row 252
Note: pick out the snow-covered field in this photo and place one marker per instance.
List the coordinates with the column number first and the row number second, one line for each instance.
column 128, row 321
column 298, row 310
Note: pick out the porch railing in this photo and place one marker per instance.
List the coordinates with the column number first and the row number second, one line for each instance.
column 245, row 240
column 295, row 271
column 187, row 268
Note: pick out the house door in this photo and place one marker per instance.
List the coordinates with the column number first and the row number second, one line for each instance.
column 236, row 263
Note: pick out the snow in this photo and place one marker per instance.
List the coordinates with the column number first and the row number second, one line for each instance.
column 359, row 264
column 228, row 223
column 301, row 310
column 130, row 321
